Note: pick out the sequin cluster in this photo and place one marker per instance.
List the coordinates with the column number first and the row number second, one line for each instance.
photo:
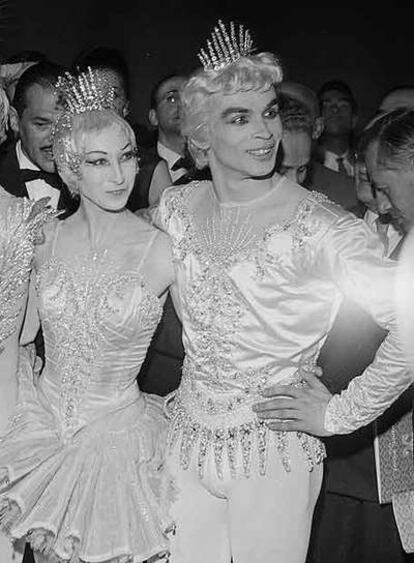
column 225, row 47
column 19, row 230
column 227, row 428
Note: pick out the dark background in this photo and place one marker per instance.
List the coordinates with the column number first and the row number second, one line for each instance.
column 370, row 48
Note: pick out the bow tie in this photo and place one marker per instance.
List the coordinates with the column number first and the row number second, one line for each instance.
column 28, row 175
column 183, row 162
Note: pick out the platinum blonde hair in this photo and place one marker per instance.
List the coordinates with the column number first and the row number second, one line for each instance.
column 69, row 138
column 253, row 72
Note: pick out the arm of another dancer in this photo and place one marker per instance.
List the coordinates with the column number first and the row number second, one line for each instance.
column 161, row 179
column 31, row 323
column 352, row 256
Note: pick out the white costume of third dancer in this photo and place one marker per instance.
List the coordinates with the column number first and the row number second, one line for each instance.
column 21, row 224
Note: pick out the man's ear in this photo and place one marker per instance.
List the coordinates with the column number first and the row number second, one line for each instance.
column 125, row 110
column 153, row 118
column 318, row 127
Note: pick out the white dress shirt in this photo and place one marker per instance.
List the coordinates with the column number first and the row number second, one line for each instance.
column 393, row 237
column 171, row 157
column 331, row 161
column 36, row 188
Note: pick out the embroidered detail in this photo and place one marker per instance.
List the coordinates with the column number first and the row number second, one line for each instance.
column 20, row 229
column 74, row 308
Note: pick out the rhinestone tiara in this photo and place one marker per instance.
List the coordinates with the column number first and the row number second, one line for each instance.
column 226, row 47
column 86, row 91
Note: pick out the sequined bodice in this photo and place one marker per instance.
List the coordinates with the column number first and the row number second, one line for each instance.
column 254, row 311
column 98, row 318
column 247, row 285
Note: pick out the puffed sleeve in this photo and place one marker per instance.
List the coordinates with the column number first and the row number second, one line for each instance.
column 351, row 255
column 159, row 213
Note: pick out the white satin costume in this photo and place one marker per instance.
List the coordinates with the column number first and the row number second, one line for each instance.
column 257, row 298
column 21, row 222
column 81, row 466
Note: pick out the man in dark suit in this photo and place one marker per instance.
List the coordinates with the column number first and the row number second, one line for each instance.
column 339, row 110
column 302, row 126
column 168, row 146
column 27, row 168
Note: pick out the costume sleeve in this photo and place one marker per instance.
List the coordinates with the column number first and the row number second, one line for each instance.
column 21, row 224
column 352, row 255
column 158, row 213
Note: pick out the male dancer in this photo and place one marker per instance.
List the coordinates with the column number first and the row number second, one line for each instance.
column 262, row 266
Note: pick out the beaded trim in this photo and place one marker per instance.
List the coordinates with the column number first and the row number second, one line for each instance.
column 20, row 229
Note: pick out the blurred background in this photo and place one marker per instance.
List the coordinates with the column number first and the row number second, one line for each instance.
column 371, row 49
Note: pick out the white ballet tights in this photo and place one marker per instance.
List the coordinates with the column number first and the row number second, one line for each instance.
column 252, row 520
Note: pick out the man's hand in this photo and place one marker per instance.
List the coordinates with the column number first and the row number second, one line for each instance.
column 292, row 408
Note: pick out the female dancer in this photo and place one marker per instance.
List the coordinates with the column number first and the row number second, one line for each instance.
column 81, row 464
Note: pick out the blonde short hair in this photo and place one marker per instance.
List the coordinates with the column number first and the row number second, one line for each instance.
column 254, row 72
column 69, row 137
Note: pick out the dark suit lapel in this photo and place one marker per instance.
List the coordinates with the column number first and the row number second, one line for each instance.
column 67, row 203
column 10, row 178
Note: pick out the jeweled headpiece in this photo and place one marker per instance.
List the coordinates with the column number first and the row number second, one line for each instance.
column 88, row 91
column 225, row 47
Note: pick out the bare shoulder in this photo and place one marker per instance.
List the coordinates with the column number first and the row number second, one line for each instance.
column 142, row 231
column 139, row 225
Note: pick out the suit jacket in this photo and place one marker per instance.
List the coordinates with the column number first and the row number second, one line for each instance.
column 337, row 187
column 148, row 161
column 349, row 348
column 161, row 371
column 10, row 180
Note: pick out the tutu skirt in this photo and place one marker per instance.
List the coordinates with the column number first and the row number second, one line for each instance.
column 99, row 495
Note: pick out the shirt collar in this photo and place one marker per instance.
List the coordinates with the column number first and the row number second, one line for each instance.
column 22, row 159
column 167, row 154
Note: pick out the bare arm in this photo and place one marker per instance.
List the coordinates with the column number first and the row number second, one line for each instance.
column 160, row 180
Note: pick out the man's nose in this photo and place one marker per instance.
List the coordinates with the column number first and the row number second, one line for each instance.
column 383, row 203
column 262, row 128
